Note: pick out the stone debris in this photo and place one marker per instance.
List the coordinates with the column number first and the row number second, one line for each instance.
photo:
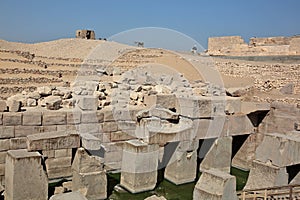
column 154, row 197
column 53, row 102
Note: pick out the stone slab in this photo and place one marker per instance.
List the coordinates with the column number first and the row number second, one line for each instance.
column 53, row 141
column 69, row 196
column 12, row 119
column 32, row 118
column 7, row 132
column 54, row 118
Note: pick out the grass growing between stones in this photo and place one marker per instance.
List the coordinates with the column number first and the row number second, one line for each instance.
column 241, row 177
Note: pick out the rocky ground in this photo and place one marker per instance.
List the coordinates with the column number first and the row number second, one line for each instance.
column 24, row 67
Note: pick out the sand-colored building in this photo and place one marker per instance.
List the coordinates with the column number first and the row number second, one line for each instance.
column 85, row 34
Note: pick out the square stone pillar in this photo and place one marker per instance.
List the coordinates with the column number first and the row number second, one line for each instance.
column 139, row 166
column 182, row 167
column 25, row 177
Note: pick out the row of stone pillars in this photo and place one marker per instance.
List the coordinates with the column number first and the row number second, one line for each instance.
column 141, row 160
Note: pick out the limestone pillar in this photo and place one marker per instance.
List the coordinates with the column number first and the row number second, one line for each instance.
column 139, row 166
column 182, row 167
column 215, row 184
column 24, row 176
column 219, row 155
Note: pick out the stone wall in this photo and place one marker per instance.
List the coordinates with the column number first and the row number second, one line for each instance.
column 236, row 46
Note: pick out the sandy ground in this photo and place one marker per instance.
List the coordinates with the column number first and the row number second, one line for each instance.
column 58, row 61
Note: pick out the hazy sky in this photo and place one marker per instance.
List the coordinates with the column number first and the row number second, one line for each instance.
column 39, row 20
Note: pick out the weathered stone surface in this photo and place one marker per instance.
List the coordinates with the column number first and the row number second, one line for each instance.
column 158, row 112
column 52, row 163
column 63, row 153
column 88, row 175
column 44, row 90
column 32, row 118
column 12, row 119
column 92, row 117
column 92, row 185
column 53, row 141
column 281, row 149
column 69, row 196
column 89, row 128
column 4, row 145
column 249, row 107
column 161, row 100
column 121, row 136
column 219, row 156
column 215, row 184
column 139, row 166
column 288, row 89
column 3, row 105
column 13, row 105
column 90, row 142
column 246, row 154
column 2, row 157
column 87, row 103
column 84, row 163
column 18, row 143
column 54, row 118
column 182, row 167
column 25, row 177
column 59, row 190
column 264, row 175
column 24, row 131
column 62, row 172
column 7, row 132
column 74, row 117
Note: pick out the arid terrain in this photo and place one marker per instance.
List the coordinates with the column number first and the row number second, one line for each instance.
column 56, row 63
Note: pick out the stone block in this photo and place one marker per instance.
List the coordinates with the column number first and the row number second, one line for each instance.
column 69, row 196
column 53, row 102
column 7, row 132
column 14, row 105
column 52, row 163
column 4, row 144
column 89, row 128
column 239, row 124
column 280, row 149
column 1, row 119
column 2, row 169
column 92, row 185
column 215, row 184
column 219, row 155
column 12, row 119
column 48, row 153
column 24, row 131
column 25, row 176
column 54, row 118
column 268, row 175
column 121, row 136
column 87, row 103
column 3, row 105
column 18, row 143
column 92, row 117
column 139, row 166
column 74, row 117
column 63, row 153
column 85, row 163
column 2, row 157
column 182, row 167
column 109, row 127
column 90, row 141
column 32, row 119
column 62, row 172
column 167, row 101
column 53, row 141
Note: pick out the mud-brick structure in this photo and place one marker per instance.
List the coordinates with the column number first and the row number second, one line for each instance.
column 85, row 34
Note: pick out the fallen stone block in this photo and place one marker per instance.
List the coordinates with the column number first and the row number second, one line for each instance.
column 215, row 184
column 168, row 101
column 25, row 177
column 53, row 141
column 219, row 156
column 69, row 196
column 90, row 142
column 87, row 103
column 264, row 175
column 84, row 163
column 44, row 90
column 139, row 166
column 92, row 185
